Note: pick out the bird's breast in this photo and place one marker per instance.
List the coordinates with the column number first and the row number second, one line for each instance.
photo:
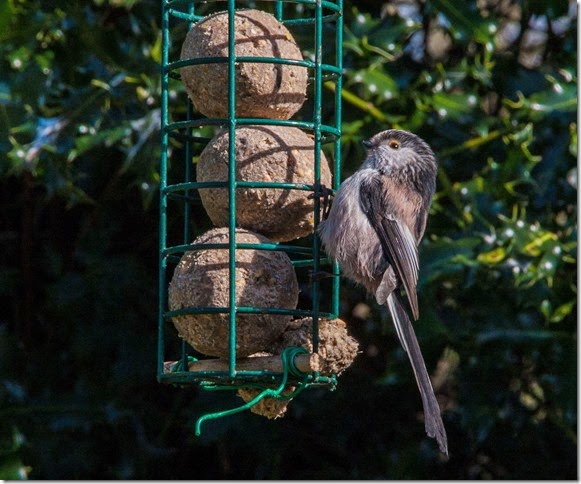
column 349, row 238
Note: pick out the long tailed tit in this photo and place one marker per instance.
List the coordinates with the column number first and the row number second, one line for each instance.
column 373, row 229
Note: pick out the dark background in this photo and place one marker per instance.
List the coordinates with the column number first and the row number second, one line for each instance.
column 491, row 85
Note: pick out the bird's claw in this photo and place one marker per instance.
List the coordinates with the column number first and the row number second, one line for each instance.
column 318, row 276
column 325, row 194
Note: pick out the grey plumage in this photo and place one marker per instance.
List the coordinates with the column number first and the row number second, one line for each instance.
column 375, row 224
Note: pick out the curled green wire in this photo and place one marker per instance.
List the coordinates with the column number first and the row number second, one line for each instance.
column 289, row 368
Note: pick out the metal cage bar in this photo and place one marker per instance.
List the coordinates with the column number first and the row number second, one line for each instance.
column 232, row 186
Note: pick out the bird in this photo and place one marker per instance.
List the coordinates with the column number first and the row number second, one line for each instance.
column 375, row 223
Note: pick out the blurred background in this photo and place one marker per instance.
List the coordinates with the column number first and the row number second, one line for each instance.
column 490, row 84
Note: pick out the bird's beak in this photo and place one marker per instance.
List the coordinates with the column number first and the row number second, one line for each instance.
column 368, row 144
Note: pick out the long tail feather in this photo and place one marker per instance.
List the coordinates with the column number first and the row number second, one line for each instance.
column 405, row 331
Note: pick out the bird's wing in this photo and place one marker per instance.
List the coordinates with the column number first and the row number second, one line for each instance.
column 397, row 241
column 421, row 221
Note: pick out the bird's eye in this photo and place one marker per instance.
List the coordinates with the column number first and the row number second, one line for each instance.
column 393, row 144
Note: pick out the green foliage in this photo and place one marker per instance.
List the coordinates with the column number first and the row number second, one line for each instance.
column 70, row 72
column 79, row 128
column 11, row 466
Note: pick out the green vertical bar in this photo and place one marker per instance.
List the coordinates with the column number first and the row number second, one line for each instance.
column 163, row 196
column 188, row 159
column 338, row 120
column 188, row 178
column 232, row 185
column 317, row 126
column 186, row 227
column 278, row 10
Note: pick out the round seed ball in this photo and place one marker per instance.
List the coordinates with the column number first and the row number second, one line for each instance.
column 264, row 279
column 263, row 90
column 269, row 154
column 336, row 347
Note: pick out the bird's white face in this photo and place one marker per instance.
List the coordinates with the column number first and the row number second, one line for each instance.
column 392, row 155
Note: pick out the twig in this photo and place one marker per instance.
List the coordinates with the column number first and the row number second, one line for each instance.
column 306, row 363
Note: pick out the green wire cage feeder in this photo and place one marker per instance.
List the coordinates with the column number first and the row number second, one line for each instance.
column 214, row 133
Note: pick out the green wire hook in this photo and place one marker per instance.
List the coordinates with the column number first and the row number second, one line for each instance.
column 289, row 368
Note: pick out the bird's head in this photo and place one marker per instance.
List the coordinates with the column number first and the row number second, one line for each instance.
column 404, row 156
